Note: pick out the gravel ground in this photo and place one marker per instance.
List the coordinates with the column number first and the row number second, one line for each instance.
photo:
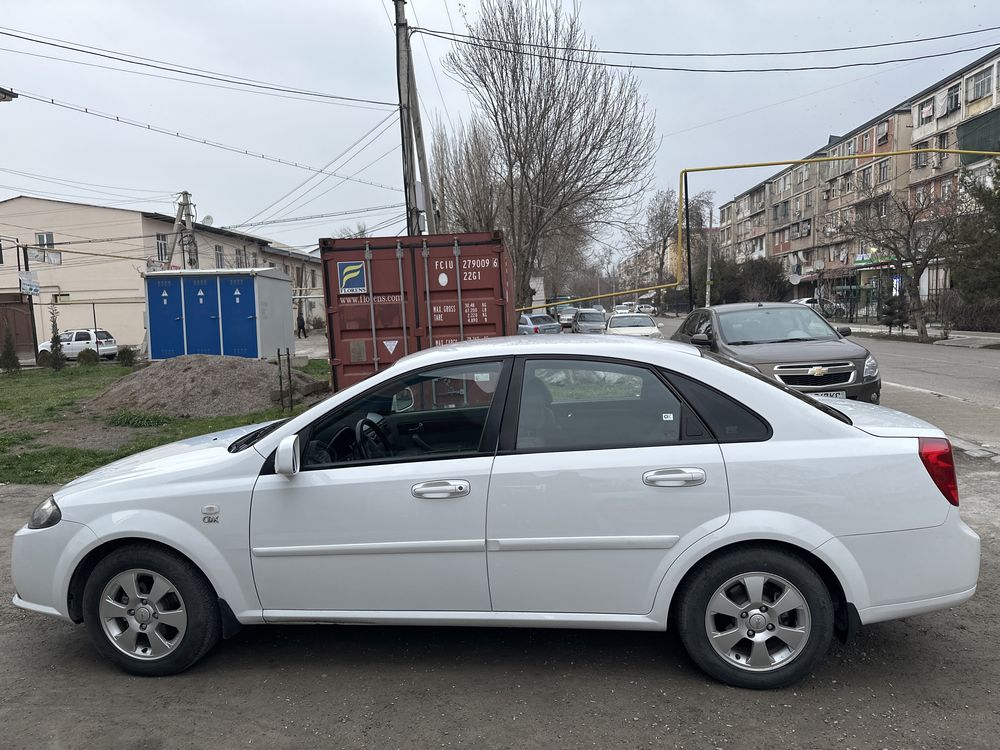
column 925, row 682
column 198, row 385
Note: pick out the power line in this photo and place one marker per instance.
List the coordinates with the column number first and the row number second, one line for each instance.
column 289, row 220
column 633, row 53
column 173, row 68
column 277, row 95
column 60, row 180
column 430, row 64
column 675, row 69
column 325, row 166
column 192, row 139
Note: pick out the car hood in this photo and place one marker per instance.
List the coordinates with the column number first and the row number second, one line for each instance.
column 798, row 351
column 881, row 421
column 173, row 458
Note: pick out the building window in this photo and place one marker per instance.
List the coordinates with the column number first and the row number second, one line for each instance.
column 849, row 148
column 312, row 272
column 921, row 160
column 798, row 206
column 866, row 178
column 866, row 142
column 925, row 112
column 943, row 143
column 161, row 247
column 784, row 236
column 921, row 195
column 883, row 170
column 777, row 239
column 954, row 98
column 774, row 212
column 946, row 188
column 220, row 257
column 979, row 85
column 795, row 231
column 806, row 228
column 241, row 257
column 882, row 132
column 809, row 199
column 254, row 258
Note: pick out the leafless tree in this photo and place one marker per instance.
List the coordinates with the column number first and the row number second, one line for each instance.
column 558, row 140
column 909, row 229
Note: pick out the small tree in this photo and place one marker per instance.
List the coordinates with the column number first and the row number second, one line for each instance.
column 891, row 311
column 57, row 359
column 9, row 362
column 974, row 260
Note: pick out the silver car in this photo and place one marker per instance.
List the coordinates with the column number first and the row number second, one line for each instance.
column 588, row 321
column 537, row 323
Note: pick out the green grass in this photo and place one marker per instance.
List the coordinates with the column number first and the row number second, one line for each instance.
column 42, row 395
column 127, row 418
column 317, row 368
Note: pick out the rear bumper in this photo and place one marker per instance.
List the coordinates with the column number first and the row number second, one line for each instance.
column 906, row 573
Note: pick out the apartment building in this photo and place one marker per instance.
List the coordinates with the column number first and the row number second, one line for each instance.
column 89, row 261
column 809, row 205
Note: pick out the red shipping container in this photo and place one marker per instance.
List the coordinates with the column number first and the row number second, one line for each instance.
column 387, row 297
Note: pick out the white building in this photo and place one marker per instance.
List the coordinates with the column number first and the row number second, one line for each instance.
column 89, row 260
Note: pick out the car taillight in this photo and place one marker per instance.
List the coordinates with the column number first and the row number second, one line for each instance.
column 936, row 456
column 536, row 330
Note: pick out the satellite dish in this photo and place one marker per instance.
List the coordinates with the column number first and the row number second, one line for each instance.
column 794, row 279
column 207, row 221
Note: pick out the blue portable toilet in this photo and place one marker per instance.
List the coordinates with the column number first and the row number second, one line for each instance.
column 239, row 312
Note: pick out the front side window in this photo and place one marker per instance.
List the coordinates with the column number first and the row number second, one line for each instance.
column 438, row 413
column 583, row 405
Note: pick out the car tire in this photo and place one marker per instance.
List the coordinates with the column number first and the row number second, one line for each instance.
column 732, row 595
column 141, row 600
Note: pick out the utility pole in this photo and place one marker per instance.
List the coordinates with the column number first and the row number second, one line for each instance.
column 403, row 81
column 418, row 133
column 708, row 272
column 184, row 234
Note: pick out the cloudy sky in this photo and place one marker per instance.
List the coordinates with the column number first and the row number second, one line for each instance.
column 346, row 48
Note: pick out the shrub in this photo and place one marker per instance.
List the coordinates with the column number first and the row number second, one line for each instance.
column 126, row 356
column 44, row 358
column 87, row 358
column 57, row 360
column 318, row 322
column 9, row 362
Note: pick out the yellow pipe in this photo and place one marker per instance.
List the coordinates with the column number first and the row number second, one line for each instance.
column 618, row 293
column 789, row 162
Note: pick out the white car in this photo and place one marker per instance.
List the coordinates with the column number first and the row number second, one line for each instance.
column 76, row 340
column 646, row 308
column 634, row 324
column 533, row 481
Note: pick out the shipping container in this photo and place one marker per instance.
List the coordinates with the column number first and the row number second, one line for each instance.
column 241, row 312
column 387, row 297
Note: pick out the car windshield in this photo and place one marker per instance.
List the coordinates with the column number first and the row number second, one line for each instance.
column 591, row 317
column 754, row 373
column 632, row 321
column 772, row 325
column 540, row 320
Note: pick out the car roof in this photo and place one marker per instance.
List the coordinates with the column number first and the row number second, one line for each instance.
column 611, row 347
column 736, row 306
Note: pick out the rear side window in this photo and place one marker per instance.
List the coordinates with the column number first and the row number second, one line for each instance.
column 82, row 336
column 729, row 420
column 104, row 336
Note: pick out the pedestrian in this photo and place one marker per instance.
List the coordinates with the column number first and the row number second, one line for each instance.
column 301, row 323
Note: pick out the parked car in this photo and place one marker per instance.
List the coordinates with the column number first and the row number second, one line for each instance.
column 634, row 324
column 566, row 315
column 621, row 309
column 588, row 321
column 600, row 309
column 537, row 323
column 536, row 482
column 789, row 342
column 76, row 340
column 646, row 308
column 826, row 307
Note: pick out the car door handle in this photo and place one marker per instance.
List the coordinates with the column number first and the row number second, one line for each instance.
column 674, row 477
column 441, row 489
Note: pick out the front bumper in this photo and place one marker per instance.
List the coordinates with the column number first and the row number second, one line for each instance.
column 42, row 562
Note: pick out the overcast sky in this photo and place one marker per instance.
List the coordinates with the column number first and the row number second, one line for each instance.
column 346, row 47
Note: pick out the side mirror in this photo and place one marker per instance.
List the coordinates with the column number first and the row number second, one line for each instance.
column 659, row 325
column 844, row 330
column 403, row 400
column 701, row 339
column 286, row 457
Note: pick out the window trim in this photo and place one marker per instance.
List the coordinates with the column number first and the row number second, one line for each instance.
column 508, row 429
column 491, row 428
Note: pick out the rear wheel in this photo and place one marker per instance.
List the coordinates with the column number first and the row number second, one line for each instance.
column 756, row 618
column 150, row 611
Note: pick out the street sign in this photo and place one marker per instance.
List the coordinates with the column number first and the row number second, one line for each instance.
column 29, row 282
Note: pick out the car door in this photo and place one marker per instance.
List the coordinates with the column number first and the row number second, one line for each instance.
column 602, row 478
column 389, row 509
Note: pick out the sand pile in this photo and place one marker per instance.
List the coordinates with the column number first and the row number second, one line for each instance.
column 199, row 385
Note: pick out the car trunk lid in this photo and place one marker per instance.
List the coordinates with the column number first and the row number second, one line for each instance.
column 882, row 421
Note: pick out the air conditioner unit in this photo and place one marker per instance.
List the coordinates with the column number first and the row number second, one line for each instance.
column 935, row 161
column 826, row 195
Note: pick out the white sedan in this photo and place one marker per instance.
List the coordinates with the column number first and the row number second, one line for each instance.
column 634, row 324
column 534, row 481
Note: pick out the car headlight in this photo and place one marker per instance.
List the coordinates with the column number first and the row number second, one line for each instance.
column 45, row 515
column 871, row 367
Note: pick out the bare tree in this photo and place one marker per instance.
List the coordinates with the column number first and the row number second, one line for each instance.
column 910, row 230
column 559, row 139
column 467, row 183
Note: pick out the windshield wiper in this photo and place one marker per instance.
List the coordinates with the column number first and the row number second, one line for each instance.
column 742, row 343
column 788, row 341
column 250, row 438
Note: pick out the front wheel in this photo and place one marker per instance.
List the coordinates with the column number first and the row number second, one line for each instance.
column 756, row 618
column 150, row 611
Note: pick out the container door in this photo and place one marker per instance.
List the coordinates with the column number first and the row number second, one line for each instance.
column 201, row 314
column 166, row 317
column 238, row 305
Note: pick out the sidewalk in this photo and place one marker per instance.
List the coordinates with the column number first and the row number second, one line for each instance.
column 963, row 339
